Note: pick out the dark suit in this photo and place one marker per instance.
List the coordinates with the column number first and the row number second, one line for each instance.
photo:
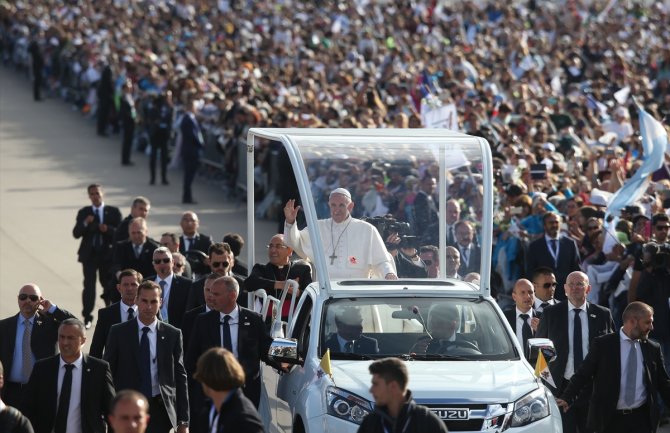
column 425, row 212
column 253, row 343
column 201, row 242
column 40, row 403
column 195, row 396
column 474, row 259
column 362, row 345
column 568, row 260
column 122, row 230
column 95, row 252
column 179, row 291
column 13, row 421
column 196, row 296
column 107, row 317
column 124, row 257
column 265, row 276
column 554, row 325
column 122, row 353
column 187, row 323
column 128, row 115
column 240, row 268
column 43, row 341
column 237, row 414
column 510, row 315
column 192, row 146
column 602, row 370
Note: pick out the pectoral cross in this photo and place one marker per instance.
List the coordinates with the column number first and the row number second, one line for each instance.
column 332, row 258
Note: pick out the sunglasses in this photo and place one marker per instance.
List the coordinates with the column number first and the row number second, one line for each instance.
column 23, row 297
column 217, row 264
column 159, row 261
column 547, row 285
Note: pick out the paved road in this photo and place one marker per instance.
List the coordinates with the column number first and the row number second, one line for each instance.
column 48, row 155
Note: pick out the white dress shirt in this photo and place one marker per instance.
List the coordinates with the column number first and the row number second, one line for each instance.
column 166, row 295
column 640, row 388
column 538, row 304
column 124, row 311
column 583, row 316
column 519, row 324
column 101, row 212
column 234, row 323
column 153, row 337
column 74, row 410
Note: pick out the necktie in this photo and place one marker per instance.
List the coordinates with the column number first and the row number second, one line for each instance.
column 450, row 236
column 26, row 352
column 349, row 347
column 189, row 244
column 97, row 240
column 554, row 250
column 466, row 256
column 138, row 251
column 60, row 425
column 526, row 332
column 227, row 339
column 631, row 375
column 577, row 351
column 164, row 311
column 544, row 305
column 145, row 364
column 131, row 314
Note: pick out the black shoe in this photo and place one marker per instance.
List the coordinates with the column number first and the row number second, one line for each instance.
column 152, row 182
column 103, row 134
column 128, row 163
column 189, row 202
column 165, row 182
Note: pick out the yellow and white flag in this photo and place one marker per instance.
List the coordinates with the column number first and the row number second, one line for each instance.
column 542, row 370
column 324, row 366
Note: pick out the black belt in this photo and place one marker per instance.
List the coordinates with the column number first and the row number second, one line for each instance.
column 642, row 408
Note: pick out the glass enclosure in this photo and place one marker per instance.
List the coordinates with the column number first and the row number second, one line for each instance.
column 426, row 192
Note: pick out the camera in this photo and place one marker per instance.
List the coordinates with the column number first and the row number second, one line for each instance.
column 386, row 225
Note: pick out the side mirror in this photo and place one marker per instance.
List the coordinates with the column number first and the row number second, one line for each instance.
column 535, row 345
column 284, row 350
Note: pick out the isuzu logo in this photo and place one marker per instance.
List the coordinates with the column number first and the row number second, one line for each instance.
column 449, row 413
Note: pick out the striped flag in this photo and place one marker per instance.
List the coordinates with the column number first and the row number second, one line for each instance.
column 654, row 145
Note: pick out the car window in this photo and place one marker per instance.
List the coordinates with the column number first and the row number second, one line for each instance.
column 424, row 328
column 302, row 328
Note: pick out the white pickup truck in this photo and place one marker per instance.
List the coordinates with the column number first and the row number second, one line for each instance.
column 464, row 361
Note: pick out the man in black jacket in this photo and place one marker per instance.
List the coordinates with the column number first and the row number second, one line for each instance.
column 395, row 410
column 96, row 226
column 11, row 420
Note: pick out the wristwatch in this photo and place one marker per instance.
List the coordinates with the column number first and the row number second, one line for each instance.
column 182, row 423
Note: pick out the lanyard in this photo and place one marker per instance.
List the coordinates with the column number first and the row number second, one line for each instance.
column 404, row 428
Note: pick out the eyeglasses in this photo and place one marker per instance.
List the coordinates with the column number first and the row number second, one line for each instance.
column 277, row 246
column 547, row 285
column 24, row 296
column 159, row 261
column 217, row 264
column 662, row 227
column 578, row 285
column 178, row 265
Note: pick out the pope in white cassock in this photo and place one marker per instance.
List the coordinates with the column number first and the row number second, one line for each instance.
column 354, row 248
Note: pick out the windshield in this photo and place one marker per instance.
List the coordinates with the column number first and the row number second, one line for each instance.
column 425, row 328
column 404, row 187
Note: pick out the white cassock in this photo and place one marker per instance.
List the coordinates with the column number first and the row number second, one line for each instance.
column 353, row 246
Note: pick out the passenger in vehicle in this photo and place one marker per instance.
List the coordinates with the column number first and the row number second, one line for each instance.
column 443, row 321
column 348, row 338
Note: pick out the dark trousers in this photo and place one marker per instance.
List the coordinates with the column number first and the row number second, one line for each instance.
column 574, row 420
column 637, row 421
column 159, row 141
column 190, row 170
column 97, row 265
column 37, row 85
column 127, row 142
column 104, row 108
column 252, row 390
column 159, row 421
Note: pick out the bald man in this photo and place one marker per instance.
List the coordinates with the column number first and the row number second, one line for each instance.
column 523, row 318
column 26, row 337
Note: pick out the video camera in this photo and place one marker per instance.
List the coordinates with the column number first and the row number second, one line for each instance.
column 386, row 225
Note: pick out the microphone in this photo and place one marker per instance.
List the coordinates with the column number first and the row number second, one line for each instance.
column 415, row 310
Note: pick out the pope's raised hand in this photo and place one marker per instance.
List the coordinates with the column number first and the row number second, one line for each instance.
column 291, row 211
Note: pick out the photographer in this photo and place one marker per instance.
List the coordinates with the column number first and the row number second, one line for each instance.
column 402, row 246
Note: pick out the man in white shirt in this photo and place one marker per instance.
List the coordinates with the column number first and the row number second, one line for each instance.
column 353, row 248
column 69, row 392
column 522, row 318
column 544, row 283
column 175, row 289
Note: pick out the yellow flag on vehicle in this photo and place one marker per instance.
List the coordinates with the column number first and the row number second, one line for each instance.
column 324, row 366
column 542, row 370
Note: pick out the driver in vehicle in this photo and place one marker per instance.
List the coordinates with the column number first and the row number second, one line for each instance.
column 348, row 338
column 443, row 320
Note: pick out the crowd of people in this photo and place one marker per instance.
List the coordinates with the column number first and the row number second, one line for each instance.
column 550, row 85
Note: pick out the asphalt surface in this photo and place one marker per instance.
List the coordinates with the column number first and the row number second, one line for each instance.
column 48, row 155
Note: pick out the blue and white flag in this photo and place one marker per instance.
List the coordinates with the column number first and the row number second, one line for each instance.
column 654, row 145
